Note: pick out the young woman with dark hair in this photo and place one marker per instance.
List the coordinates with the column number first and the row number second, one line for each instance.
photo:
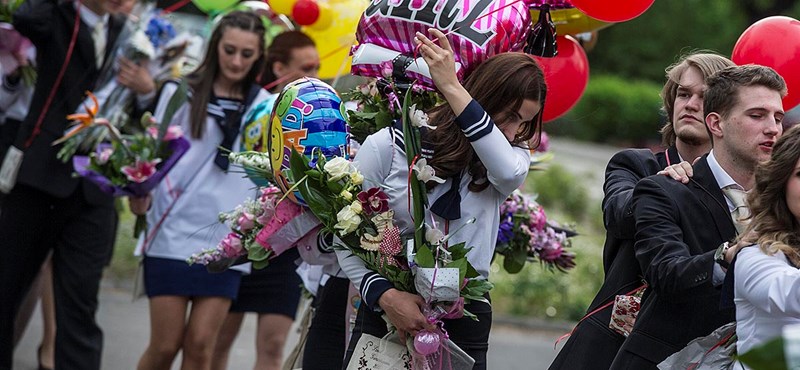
column 187, row 302
column 480, row 146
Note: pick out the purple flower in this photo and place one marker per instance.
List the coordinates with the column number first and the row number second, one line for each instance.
column 374, row 200
column 505, row 232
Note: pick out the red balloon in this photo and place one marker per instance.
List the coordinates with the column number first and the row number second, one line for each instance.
column 619, row 11
column 566, row 76
column 757, row 45
column 305, row 12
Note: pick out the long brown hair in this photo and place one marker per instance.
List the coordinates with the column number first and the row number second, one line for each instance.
column 707, row 63
column 280, row 50
column 202, row 79
column 773, row 226
column 499, row 85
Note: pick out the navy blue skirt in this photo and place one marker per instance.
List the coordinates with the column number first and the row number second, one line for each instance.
column 163, row 276
column 274, row 289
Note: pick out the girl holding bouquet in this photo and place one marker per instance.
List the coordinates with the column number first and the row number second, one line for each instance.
column 272, row 292
column 184, row 206
column 489, row 121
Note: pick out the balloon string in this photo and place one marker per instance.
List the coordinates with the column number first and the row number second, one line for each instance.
column 175, row 7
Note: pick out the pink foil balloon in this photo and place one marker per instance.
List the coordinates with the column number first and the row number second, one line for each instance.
column 426, row 342
column 477, row 29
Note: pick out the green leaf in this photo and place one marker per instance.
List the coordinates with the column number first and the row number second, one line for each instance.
column 511, row 265
column 258, row 254
column 424, row 257
column 768, row 356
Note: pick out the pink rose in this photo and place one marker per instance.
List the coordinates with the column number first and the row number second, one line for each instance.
column 246, row 222
column 141, row 170
column 232, row 245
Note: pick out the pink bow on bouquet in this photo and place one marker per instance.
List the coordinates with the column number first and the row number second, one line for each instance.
column 433, row 349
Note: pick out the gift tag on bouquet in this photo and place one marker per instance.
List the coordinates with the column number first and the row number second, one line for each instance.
column 444, row 281
column 373, row 353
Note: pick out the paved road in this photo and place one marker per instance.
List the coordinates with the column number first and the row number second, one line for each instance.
column 126, row 327
column 588, row 161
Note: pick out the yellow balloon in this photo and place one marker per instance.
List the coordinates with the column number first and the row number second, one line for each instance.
column 282, row 6
column 325, row 18
column 334, row 43
column 572, row 21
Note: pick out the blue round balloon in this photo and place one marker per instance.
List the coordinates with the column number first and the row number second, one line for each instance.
column 308, row 116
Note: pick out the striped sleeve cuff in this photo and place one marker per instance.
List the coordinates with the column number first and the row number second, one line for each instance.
column 325, row 242
column 373, row 286
column 474, row 121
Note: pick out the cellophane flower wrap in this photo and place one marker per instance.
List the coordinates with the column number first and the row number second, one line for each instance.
column 131, row 164
column 148, row 39
column 422, row 262
column 526, row 234
column 251, row 224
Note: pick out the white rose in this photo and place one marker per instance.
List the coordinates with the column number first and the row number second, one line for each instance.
column 337, row 168
column 356, row 207
column 348, row 220
column 357, row 178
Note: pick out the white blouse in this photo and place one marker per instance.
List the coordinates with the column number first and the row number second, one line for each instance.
column 767, row 296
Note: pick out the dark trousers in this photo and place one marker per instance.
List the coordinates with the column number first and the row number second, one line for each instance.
column 470, row 335
column 80, row 235
column 592, row 345
column 325, row 344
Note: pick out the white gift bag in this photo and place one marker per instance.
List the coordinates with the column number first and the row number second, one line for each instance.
column 373, row 353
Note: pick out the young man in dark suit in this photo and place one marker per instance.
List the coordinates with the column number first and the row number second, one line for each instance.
column 680, row 226
column 593, row 344
column 48, row 208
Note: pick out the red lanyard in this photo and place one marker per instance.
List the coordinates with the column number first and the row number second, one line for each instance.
column 38, row 127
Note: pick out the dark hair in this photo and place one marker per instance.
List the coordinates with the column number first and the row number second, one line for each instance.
column 280, row 50
column 773, row 225
column 202, row 79
column 722, row 93
column 707, row 63
column 499, row 85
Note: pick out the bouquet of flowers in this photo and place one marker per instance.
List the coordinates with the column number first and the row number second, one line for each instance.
column 527, row 235
column 253, row 226
column 149, row 39
column 131, row 164
column 379, row 104
column 422, row 262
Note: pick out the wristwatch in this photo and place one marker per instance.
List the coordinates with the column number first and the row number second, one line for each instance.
column 719, row 255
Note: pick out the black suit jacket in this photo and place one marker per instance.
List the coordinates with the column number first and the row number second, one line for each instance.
column 49, row 24
column 678, row 228
column 622, row 272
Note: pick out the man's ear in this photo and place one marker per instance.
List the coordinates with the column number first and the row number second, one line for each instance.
column 279, row 69
column 714, row 124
